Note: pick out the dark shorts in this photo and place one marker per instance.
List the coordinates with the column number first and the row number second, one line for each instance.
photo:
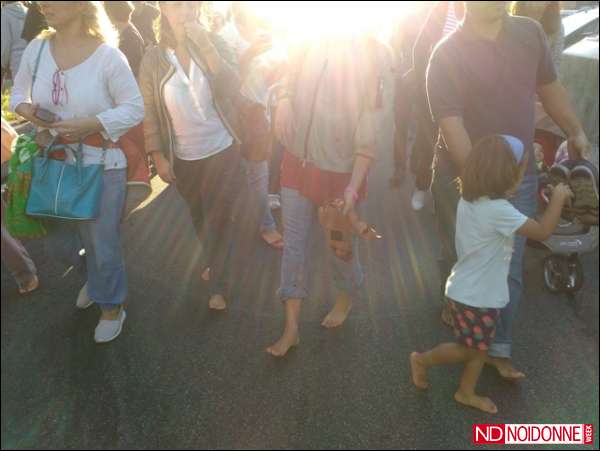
column 474, row 327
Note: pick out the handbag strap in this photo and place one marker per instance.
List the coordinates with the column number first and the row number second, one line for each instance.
column 37, row 65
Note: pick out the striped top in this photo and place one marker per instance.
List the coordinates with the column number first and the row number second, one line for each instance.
column 451, row 20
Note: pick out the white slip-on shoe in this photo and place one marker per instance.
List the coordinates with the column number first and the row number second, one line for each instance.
column 418, row 200
column 274, row 201
column 83, row 300
column 108, row 330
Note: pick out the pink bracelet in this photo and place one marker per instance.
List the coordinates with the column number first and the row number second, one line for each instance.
column 352, row 191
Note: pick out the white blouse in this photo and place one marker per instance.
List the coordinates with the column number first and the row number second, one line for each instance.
column 199, row 131
column 102, row 86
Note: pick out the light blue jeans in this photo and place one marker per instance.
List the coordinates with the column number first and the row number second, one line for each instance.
column 526, row 201
column 103, row 264
column 257, row 174
column 300, row 221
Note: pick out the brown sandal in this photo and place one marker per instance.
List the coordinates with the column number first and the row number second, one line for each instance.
column 29, row 287
column 340, row 229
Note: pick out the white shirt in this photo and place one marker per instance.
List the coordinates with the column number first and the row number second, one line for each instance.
column 102, row 86
column 199, row 131
column 484, row 243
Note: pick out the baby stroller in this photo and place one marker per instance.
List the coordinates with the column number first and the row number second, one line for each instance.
column 577, row 232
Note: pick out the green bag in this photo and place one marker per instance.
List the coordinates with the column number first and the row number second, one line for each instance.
column 18, row 224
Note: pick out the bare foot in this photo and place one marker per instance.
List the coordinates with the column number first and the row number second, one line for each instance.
column 339, row 313
column 217, row 302
column 31, row 285
column 506, row 369
column 206, row 275
column 289, row 339
column 477, row 402
column 419, row 372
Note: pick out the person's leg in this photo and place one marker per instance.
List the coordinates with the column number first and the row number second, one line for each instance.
column 257, row 174
column 446, row 196
column 221, row 188
column 189, row 175
column 299, row 217
column 17, row 260
column 348, row 279
column 449, row 354
column 402, row 109
column 424, row 149
column 525, row 200
column 107, row 278
column 188, row 179
column 275, row 168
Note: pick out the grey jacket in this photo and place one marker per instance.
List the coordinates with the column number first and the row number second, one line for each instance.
column 13, row 18
column 342, row 95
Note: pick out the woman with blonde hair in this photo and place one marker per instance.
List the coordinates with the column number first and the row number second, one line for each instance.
column 77, row 88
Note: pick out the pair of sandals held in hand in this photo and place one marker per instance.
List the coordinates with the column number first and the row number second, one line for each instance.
column 340, row 229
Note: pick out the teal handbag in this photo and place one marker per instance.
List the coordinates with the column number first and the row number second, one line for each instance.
column 60, row 190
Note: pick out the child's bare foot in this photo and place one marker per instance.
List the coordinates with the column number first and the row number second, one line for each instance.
column 506, row 369
column 477, row 402
column 419, row 372
column 339, row 313
column 289, row 339
column 217, row 302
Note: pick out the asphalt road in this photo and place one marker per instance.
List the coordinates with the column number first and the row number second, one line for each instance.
column 182, row 377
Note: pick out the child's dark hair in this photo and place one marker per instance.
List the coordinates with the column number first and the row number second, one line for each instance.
column 491, row 170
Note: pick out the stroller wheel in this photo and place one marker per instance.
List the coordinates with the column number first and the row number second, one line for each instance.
column 563, row 274
column 554, row 276
column 574, row 275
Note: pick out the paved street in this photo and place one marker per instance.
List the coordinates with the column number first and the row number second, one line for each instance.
column 182, row 377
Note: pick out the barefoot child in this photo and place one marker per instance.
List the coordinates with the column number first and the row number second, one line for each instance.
column 478, row 287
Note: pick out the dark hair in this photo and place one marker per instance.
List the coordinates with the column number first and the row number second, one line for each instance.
column 118, row 11
column 491, row 170
column 550, row 20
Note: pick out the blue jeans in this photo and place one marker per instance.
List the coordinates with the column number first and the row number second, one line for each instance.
column 300, row 221
column 103, row 264
column 525, row 200
column 257, row 174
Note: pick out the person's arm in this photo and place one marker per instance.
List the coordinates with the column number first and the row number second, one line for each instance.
column 542, row 230
column 20, row 98
column 6, row 43
column 152, row 131
column 446, row 92
column 362, row 164
column 375, row 127
column 557, row 104
column 221, row 62
column 457, row 139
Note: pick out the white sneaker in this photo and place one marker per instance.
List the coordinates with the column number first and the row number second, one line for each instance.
column 418, row 200
column 108, row 330
column 274, row 201
column 83, row 300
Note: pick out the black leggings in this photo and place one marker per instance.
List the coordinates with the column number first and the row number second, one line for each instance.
column 211, row 189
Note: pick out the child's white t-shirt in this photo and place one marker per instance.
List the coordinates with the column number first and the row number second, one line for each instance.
column 484, row 244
